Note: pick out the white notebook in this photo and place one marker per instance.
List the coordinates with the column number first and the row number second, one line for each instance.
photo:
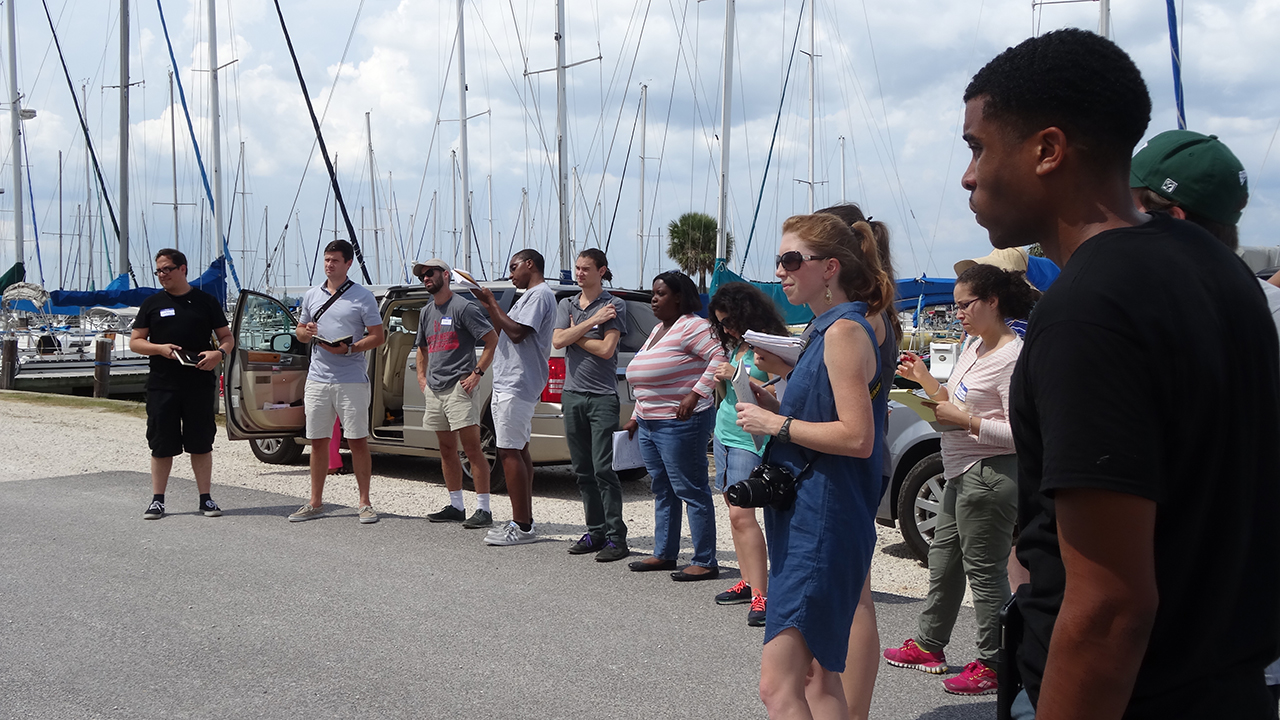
column 626, row 451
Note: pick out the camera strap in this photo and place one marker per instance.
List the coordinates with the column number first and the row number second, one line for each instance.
column 332, row 299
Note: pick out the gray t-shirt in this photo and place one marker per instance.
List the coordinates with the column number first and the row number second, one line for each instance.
column 584, row 372
column 448, row 334
column 350, row 314
column 521, row 368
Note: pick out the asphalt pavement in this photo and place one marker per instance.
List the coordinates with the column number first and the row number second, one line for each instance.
column 106, row 615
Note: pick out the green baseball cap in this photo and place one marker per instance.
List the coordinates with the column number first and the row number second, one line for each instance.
column 1198, row 172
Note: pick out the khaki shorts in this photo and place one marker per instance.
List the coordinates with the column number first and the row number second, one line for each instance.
column 512, row 420
column 325, row 402
column 451, row 409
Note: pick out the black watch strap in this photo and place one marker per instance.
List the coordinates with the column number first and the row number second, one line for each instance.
column 478, row 371
column 784, row 433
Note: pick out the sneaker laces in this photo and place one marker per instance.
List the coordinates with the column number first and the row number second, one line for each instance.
column 742, row 585
column 585, row 540
column 758, row 603
column 155, row 505
column 975, row 669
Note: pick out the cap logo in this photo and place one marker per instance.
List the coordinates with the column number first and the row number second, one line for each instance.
column 1169, row 185
column 1243, row 178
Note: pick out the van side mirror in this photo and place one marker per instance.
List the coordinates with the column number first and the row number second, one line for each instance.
column 282, row 343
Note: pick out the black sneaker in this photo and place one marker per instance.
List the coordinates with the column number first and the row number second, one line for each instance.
column 155, row 511
column 755, row 618
column 210, row 508
column 737, row 595
column 478, row 519
column 448, row 513
column 588, row 543
column 612, row 552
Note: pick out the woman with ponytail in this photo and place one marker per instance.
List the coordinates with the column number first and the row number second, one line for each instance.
column 828, row 432
column 980, row 502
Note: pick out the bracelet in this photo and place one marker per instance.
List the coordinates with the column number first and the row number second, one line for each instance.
column 971, row 432
column 935, row 393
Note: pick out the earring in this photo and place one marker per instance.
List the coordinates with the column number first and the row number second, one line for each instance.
column 828, row 294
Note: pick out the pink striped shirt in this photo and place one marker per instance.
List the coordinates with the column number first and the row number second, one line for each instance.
column 663, row 373
column 980, row 387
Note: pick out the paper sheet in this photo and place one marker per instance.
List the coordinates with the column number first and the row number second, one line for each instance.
column 742, row 388
column 626, row 451
column 461, row 277
column 786, row 347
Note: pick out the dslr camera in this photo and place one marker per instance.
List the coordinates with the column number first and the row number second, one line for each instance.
column 768, row 484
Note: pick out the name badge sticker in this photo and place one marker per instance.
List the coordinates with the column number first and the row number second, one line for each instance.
column 446, row 321
column 167, row 312
column 962, row 392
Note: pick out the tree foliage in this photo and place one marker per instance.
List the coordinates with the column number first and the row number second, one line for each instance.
column 693, row 245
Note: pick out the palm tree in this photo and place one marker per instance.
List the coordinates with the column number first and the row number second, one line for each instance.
column 693, row 245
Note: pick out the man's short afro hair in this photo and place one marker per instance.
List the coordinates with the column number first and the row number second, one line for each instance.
column 1071, row 79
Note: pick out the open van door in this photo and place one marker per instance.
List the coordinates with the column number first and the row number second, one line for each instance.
column 267, row 373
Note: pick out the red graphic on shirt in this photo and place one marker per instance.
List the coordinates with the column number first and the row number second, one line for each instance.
column 442, row 340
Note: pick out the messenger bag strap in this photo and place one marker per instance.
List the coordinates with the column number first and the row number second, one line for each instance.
column 332, row 299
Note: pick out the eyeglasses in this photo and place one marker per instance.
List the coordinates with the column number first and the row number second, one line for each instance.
column 429, row 272
column 165, row 270
column 791, row 260
column 963, row 305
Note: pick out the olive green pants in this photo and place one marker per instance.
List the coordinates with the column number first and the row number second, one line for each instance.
column 971, row 541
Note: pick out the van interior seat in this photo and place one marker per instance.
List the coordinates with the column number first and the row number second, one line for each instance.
column 399, row 345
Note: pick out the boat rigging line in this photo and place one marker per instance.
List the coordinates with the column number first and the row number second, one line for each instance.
column 315, row 122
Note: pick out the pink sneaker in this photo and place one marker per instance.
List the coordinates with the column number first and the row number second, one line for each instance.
column 976, row 679
column 911, row 656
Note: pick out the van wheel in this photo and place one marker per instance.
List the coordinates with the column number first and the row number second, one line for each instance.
column 489, row 446
column 276, row 451
column 919, row 501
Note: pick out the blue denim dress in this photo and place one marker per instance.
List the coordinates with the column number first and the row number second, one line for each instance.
column 820, row 549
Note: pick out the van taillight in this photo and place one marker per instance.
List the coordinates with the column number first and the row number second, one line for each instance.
column 555, row 381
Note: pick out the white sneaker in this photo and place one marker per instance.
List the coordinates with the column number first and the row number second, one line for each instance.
column 513, row 535
column 500, row 530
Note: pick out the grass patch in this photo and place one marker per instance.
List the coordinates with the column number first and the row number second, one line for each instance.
column 122, row 407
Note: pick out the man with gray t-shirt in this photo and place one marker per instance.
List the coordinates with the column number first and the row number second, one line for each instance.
column 588, row 326
column 343, row 320
column 448, row 374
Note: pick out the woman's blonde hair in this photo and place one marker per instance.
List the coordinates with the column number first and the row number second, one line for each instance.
column 861, row 276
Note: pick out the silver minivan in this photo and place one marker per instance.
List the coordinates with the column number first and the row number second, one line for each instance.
column 266, row 374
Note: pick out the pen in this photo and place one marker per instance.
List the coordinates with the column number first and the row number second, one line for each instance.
column 772, row 382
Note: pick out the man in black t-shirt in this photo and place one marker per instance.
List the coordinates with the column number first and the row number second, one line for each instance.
column 1144, row 408
column 174, row 327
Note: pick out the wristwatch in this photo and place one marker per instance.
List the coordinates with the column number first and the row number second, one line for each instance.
column 478, row 371
column 784, row 433
column 349, row 347
column 224, row 353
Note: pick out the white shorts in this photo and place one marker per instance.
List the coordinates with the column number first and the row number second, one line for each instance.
column 326, row 402
column 452, row 409
column 512, row 420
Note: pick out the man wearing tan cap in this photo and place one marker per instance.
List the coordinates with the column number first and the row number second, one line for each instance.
column 448, row 374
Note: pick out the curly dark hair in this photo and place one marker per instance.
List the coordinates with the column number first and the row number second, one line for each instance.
column 1014, row 295
column 682, row 285
column 746, row 307
column 1071, row 79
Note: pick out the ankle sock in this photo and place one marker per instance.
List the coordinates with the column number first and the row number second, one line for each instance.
column 455, row 499
column 482, row 501
column 205, row 497
column 158, row 497
column 525, row 527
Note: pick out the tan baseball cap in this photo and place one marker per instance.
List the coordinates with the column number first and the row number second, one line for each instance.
column 420, row 267
column 1012, row 259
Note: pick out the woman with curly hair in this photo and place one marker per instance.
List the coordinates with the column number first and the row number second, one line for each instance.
column 736, row 308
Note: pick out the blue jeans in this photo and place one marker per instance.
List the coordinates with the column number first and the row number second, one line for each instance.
column 732, row 465
column 675, row 454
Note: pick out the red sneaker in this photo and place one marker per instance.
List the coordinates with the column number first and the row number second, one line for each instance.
column 976, row 679
column 911, row 656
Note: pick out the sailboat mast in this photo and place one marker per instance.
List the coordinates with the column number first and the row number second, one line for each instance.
column 813, row 12
column 1104, row 19
column 15, row 131
column 562, row 151
column 124, row 267
column 722, row 209
column 61, row 276
column 843, row 196
column 173, row 146
column 373, row 202
column 493, row 258
column 644, row 116
column 462, row 143
column 215, row 116
column 453, row 156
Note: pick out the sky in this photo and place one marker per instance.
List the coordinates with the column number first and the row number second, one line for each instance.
column 887, row 106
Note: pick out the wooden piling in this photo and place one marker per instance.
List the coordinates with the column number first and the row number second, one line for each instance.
column 8, row 363
column 102, row 366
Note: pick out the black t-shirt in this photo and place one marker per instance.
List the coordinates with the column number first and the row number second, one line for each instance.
column 187, row 321
column 1150, row 368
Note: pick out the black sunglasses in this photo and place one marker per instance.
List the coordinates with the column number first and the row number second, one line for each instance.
column 791, row 260
column 429, row 272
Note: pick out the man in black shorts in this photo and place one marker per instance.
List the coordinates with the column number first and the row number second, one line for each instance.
column 1144, row 408
column 175, row 327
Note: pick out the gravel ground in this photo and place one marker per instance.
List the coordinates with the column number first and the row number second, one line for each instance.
column 56, row 440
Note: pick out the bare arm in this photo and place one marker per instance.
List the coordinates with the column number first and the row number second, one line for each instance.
column 1108, row 608
column 490, row 341
column 377, row 335
column 139, row 343
column 602, row 348
column 421, row 362
column 500, row 320
column 847, row 354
